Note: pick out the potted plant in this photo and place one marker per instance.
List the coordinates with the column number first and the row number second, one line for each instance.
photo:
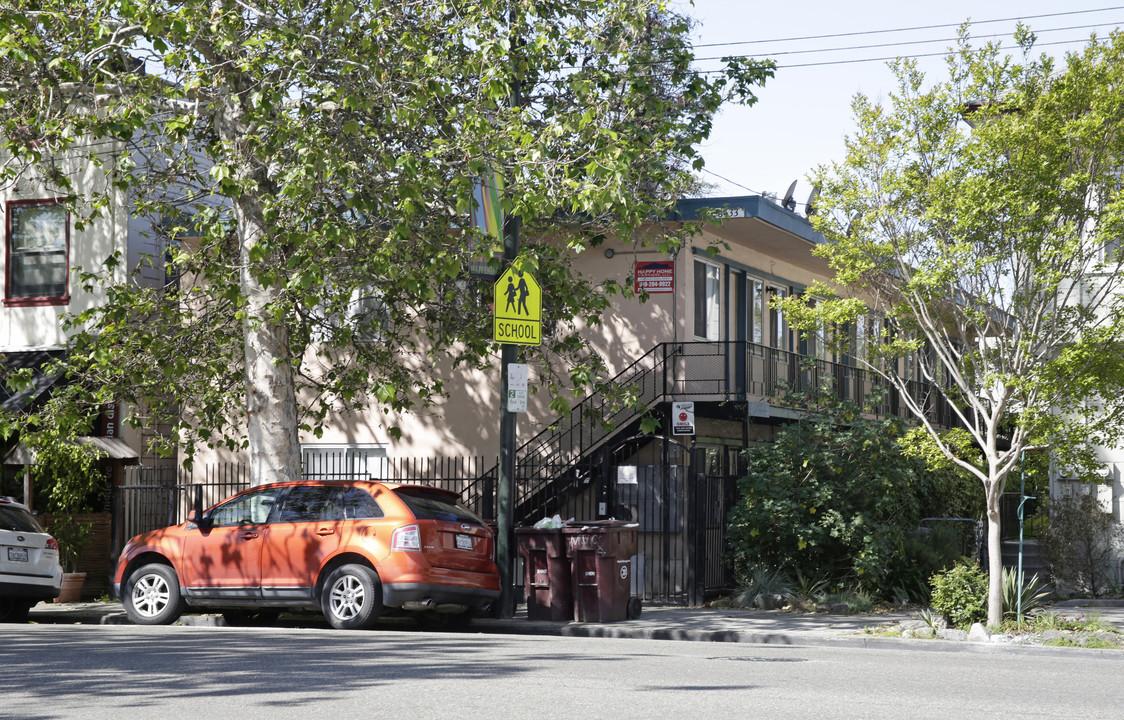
column 71, row 535
column 67, row 482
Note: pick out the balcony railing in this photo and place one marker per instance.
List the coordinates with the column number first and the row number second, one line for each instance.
column 699, row 371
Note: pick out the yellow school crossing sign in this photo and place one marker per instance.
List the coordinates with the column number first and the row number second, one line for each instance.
column 518, row 309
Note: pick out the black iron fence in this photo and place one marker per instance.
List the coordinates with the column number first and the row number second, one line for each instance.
column 155, row 497
column 677, row 500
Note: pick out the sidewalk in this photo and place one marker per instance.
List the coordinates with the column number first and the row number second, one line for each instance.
column 773, row 627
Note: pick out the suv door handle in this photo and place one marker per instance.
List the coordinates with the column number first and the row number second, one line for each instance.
column 325, row 531
column 249, row 535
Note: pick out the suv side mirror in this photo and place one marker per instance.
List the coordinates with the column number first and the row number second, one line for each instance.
column 201, row 521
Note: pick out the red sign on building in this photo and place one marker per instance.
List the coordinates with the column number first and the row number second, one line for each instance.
column 656, row 276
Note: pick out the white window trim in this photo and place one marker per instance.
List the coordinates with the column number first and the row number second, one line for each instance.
column 712, row 299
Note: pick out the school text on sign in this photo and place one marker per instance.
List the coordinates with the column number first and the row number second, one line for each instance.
column 517, row 300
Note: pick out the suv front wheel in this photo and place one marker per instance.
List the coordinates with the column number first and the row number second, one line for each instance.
column 352, row 597
column 152, row 596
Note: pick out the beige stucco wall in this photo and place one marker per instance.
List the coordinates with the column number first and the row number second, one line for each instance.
column 467, row 421
column 41, row 326
column 113, row 230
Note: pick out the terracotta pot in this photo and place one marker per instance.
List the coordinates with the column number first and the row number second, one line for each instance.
column 71, row 587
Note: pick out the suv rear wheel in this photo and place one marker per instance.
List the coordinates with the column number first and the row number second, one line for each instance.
column 352, row 597
column 152, row 596
column 14, row 610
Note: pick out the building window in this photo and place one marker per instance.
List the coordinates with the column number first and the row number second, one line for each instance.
column 38, row 241
column 368, row 315
column 344, row 462
column 707, row 303
column 757, row 311
column 780, row 338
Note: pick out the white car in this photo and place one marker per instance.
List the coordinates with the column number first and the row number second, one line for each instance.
column 29, row 562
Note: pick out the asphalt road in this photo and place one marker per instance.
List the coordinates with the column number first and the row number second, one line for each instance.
column 59, row 672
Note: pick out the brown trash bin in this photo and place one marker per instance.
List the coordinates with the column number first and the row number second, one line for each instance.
column 546, row 573
column 601, row 565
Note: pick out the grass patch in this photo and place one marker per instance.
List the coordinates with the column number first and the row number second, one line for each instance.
column 1042, row 622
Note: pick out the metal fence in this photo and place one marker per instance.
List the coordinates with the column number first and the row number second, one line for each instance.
column 155, row 497
column 677, row 498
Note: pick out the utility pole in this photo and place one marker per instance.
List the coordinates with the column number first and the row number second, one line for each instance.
column 505, row 507
column 505, row 493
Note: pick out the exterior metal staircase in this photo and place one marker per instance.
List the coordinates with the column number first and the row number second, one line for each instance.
column 553, row 463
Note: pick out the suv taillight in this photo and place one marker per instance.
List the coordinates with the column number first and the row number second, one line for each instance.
column 406, row 538
column 52, row 544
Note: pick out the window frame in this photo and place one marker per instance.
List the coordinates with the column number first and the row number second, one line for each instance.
column 757, row 317
column 780, row 336
column 9, row 254
column 704, row 301
column 252, row 502
column 345, row 461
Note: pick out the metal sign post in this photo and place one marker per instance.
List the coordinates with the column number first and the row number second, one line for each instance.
column 517, row 320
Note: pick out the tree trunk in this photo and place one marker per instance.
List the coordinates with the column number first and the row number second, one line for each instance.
column 994, row 561
column 272, row 436
column 271, row 404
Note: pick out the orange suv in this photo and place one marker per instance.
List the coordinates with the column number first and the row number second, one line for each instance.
column 349, row 549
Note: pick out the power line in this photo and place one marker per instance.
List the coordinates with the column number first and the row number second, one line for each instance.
column 906, row 42
column 766, row 56
column 732, row 182
column 888, row 58
column 908, row 29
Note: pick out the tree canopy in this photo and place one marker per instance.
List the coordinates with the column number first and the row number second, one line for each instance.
column 311, row 167
column 974, row 231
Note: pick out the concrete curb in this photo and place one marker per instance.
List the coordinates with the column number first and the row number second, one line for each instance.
column 672, row 624
column 781, row 639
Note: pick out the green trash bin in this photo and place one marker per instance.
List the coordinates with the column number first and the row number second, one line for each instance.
column 546, row 573
column 601, row 568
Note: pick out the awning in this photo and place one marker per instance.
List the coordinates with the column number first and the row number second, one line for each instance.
column 14, row 401
column 109, row 448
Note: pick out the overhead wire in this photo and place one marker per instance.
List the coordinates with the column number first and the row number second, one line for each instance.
column 655, row 73
column 909, row 29
column 902, row 43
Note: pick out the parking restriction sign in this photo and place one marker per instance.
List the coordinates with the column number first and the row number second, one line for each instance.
column 682, row 418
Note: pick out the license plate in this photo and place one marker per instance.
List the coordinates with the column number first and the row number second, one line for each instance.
column 20, row 554
column 464, row 542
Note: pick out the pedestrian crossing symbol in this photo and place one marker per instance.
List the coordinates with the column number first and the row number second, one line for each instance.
column 518, row 309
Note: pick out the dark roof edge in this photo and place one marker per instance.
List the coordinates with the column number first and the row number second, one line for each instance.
column 750, row 206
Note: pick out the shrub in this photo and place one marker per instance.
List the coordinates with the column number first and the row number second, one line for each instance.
column 960, row 594
column 810, row 589
column 829, row 497
column 946, row 490
column 925, row 551
column 1078, row 544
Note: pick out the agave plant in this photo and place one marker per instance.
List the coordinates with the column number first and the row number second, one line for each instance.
column 809, row 588
column 1031, row 590
column 761, row 580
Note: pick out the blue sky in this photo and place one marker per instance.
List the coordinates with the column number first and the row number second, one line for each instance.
column 804, row 112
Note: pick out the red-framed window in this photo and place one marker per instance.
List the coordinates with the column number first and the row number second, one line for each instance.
column 37, row 247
